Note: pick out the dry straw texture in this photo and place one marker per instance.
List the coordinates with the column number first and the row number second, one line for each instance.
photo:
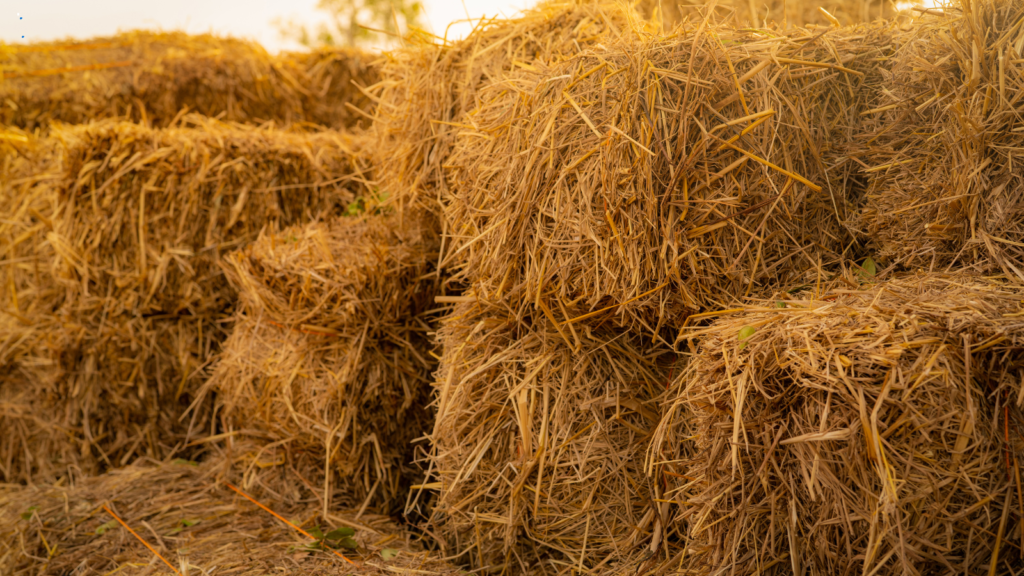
column 152, row 76
column 539, row 442
column 427, row 86
column 149, row 212
column 941, row 146
column 872, row 430
column 120, row 296
column 773, row 13
column 328, row 358
column 188, row 515
column 649, row 176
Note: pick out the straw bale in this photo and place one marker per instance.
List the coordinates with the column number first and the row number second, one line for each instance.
column 431, row 82
column 539, row 442
column 941, row 147
column 635, row 179
column 152, row 76
column 148, row 212
column 871, row 430
column 328, row 355
column 192, row 519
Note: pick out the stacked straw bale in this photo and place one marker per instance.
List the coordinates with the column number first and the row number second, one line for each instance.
column 194, row 521
column 328, row 360
column 539, row 442
column 648, row 177
column 132, row 305
column 151, row 77
column 941, row 148
column 873, row 430
column 427, row 87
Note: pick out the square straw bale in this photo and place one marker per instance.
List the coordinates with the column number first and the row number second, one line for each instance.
column 428, row 85
column 187, row 513
column 153, row 76
column 145, row 214
column 941, row 145
column 539, row 444
column 873, row 430
column 328, row 357
column 647, row 177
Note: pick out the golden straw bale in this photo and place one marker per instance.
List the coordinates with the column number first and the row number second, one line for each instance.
column 873, row 430
column 152, row 76
column 191, row 518
column 428, row 86
column 941, row 148
column 147, row 212
column 648, row 177
column 539, row 443
column 328, row 355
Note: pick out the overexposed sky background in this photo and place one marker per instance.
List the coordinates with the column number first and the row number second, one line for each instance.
column 43, row 20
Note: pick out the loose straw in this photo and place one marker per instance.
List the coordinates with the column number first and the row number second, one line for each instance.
column 144, row 543
column 282, row 519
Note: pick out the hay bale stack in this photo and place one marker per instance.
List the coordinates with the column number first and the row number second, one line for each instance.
column 648, row 177
column 132, row 304
column 428, row 87
column 539, row 443
column 192, row 519
column 328, row 364
column 940, row 147
column 871, row 431
column 152, row 76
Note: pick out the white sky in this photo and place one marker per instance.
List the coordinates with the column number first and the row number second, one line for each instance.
column 58, row 19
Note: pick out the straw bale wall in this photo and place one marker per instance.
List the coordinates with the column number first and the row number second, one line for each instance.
column 941, row 150
column 122, row 303
column 152, row 77
column 328, row 356
column 646, row 177
column 190, row 517
column 870, row 430
column 539, row 442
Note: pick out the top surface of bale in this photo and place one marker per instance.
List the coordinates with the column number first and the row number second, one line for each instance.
column 649, row 177
column 863, row 431
column 153, row 76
